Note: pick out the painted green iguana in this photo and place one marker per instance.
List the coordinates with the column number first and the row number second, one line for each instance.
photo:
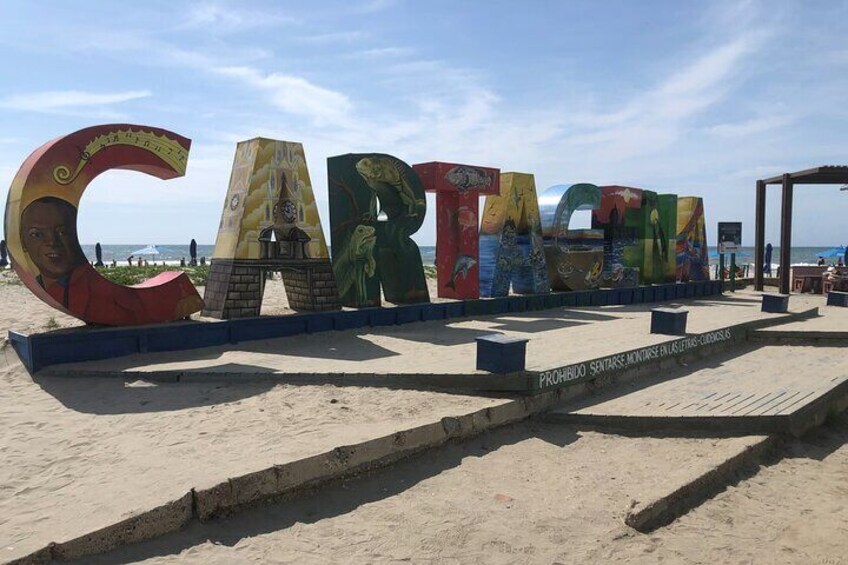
column 387, row 181
column 355, row 262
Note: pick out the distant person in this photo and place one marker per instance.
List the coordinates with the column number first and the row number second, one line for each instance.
column 129, row 260
column 182, row 262
column 767, row 260
column 820, row 262
column 114, row 263
column 139, row 262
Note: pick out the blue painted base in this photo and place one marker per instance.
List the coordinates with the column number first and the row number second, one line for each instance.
column 88, row 344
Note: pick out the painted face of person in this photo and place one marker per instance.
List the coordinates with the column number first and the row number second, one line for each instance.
column 48, row 234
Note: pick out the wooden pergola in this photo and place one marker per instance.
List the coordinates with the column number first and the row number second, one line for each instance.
column 830, row 174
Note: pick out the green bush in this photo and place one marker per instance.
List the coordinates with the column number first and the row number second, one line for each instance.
column 129, row 276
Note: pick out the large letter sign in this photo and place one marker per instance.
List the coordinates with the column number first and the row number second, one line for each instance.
column 457, row 189
column 41, row 217
column 659, row 212
column 376, row 203
column 511, row 245
column 692, row 256
column 575, row 258
column 269, row 223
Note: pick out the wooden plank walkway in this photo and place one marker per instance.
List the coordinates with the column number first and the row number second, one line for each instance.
column 759, row 389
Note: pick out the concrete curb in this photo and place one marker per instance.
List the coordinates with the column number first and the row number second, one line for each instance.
column 665, row 509
column 288, row 480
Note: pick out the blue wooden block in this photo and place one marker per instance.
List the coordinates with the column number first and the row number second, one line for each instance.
column 410, row 313
column 498, row 353
column 583, row 298
column 474, row 307
column 649, row 294
column 516, row 304
column 319, row 322
column 433, row 312
column 775, row 303
column 51, row 349
column 718, row 287
column 187, row 336
column 500, row 305
column 22, row 346
column 382, row 316
column 835, row 298
column 349, row 319
column 625, row 296
column 454, row 309
column 266, row 328
column 569, row 299
column 669, row 321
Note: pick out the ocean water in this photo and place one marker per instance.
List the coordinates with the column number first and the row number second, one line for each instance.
column 172, row 253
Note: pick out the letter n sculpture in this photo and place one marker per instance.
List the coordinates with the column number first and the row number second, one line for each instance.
column 270, row 222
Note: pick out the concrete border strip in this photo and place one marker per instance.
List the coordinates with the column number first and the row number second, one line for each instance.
column 665, row 509
column 288, row 479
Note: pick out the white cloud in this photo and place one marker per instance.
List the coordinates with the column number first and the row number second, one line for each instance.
column 380, row 53
column 336, row 37
column 58, row 100
column 372, row 6
column 749, row 127
column 293, row 94
column 215, row 17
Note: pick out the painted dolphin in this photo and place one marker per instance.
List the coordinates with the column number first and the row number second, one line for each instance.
column 461, row 266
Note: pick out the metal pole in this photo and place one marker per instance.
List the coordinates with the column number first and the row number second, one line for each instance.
column 733, row 272
column 785, row 234
column 760, row 235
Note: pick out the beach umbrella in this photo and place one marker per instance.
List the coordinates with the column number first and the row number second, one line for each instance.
column 767, row 260
column 98, row 253
column 192, row 251
column 149, row 250
column 835, row 252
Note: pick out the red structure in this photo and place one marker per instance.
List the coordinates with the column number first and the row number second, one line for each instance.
column 458, row 188
column 41, row 218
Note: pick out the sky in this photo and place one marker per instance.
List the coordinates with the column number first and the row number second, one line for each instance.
column 692, row 98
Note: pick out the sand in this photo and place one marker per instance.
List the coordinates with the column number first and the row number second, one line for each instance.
column 80, row 454
column 542, row 494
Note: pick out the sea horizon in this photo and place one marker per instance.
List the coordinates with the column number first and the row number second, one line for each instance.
column 800, row 255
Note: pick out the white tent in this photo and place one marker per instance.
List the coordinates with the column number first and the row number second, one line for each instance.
column 149, row 250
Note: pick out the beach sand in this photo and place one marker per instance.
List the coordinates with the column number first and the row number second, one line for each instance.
column 82, row 453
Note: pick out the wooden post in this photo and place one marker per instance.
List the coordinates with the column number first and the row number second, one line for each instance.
column 760, row 236
column 785, row 235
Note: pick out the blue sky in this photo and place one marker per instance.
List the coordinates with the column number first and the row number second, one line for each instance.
column 692, row 98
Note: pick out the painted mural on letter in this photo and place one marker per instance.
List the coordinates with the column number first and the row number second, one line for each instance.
column 691, row 245
column 574, row 258
column 620, row 219
column 41, row 225
column 269, row 222
column 511, row 245
column 457, row 189
column 376, row 203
